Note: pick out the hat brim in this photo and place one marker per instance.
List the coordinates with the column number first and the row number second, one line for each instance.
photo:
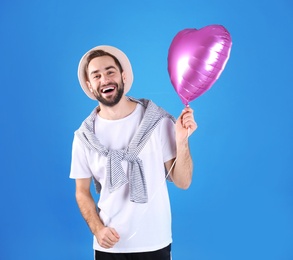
column 124, row 61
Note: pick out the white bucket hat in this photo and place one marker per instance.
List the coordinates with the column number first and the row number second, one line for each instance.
column 124, row 61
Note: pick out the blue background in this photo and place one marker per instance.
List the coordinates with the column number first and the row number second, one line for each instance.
column 240, row 204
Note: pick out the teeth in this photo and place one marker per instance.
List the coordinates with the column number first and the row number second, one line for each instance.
column 107, row 89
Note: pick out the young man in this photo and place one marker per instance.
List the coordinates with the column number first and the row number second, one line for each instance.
column 128, row 147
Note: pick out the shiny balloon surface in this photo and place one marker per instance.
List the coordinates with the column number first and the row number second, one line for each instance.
column 196, row 58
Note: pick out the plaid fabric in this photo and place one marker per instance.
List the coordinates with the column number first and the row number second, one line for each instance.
column 116, row 177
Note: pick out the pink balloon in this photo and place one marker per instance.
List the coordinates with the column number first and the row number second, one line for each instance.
column 196, row 58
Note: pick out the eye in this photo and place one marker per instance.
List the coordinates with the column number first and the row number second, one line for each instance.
column 110, row 72
column 97, row 76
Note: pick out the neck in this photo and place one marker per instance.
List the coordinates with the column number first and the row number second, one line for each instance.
column 124, row 108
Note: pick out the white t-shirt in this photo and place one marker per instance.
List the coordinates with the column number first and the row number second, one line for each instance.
column 142, row 227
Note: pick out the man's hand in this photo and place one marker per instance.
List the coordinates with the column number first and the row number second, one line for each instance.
column 107, row 237
column 185, row 124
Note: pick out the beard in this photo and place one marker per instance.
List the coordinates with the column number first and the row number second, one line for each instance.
column 113, row 100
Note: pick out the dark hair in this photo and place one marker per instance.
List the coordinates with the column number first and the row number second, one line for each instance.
column 99, row 53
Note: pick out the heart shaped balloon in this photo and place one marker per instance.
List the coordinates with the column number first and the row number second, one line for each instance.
column 196, row 58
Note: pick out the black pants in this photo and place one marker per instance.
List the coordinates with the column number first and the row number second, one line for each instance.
column 162, row 254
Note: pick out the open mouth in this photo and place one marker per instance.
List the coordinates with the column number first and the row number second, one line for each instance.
column 107, row 90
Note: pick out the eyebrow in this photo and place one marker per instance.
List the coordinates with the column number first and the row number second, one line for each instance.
column 107, row 68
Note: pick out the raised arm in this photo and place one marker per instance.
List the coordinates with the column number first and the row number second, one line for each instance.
column 181, row 174
column 107, row 237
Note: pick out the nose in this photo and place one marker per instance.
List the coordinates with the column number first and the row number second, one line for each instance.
column 104, row 79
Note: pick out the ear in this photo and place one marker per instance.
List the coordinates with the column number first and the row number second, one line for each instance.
column 89, row 86
column 123, row 77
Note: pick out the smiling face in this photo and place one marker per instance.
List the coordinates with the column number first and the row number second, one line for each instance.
column 105, row 80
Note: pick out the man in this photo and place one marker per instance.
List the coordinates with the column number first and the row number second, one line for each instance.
column 128, row 147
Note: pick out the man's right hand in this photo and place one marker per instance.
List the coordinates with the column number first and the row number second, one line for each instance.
column 107, row 237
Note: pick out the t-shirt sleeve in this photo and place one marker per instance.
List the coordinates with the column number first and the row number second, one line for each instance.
column 168, row 139
column 79, row 163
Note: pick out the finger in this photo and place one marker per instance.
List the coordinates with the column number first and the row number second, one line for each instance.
column 114, row 236
column 193, row 126
column 188, row 109
column 187, row 114
column 190, row 124
column 187, row 117
column 187, row 121
column 113, row 240
column 107, row 243
column 114, row 232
